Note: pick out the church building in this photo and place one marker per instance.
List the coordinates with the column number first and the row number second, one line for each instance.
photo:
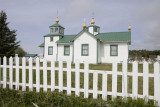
column 88, row 45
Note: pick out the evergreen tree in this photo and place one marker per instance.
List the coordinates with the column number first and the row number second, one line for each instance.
column 8, row 43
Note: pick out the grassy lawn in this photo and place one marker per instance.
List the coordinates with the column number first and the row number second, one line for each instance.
column 105, row 67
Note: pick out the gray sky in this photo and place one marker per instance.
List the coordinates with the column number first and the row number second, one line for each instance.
column 32, row 18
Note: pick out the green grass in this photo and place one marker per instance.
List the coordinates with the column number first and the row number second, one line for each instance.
column 104, row 67
column 12, row 98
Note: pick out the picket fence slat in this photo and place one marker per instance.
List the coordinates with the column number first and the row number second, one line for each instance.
column 52, row 75
column 135, row 80
column 11, row 73
column 37, row 75
column 86, row 76
column 4, row 72
column 145, row 80
column 15, row 65
column 77, row 82
column 45, row 75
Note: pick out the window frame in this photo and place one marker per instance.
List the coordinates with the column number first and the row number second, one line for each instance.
column 64, row 50
column 52, row 39
column 48, row 50
column 82, row 50
column 111, row 50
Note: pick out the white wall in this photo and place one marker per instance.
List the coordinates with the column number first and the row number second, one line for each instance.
column 122, row 52
column 61, row 52
column 85, row 38
column 48, row 43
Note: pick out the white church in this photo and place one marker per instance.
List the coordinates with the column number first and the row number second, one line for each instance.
column 88, row 45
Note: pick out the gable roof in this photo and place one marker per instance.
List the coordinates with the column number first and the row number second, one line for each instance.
column 84, row 30
column 56, row 25
column 66, row 39
column 114, row 37
column 41, row 45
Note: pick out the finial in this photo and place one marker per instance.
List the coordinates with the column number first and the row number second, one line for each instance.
column 93, row 22
column 57, row 20
column 129, row 28
column 84, row 25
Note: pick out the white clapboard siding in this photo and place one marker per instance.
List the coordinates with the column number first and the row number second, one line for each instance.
column 104, row 92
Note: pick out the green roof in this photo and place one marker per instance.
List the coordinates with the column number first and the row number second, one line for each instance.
column 56, row 25
column 58, row 34
column 66, row 39
column 115, row 37
column 41, row 45
column 30, row 55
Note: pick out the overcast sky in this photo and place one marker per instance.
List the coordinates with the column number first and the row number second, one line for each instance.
column 32, row 18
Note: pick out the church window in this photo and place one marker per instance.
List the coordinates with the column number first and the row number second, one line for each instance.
column 51, row 39
column 85, row 50
column 66, row 50
column 50, row 50
column 113, row 50
column 56, row 29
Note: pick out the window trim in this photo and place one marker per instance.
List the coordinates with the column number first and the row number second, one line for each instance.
column 82, row 50
column 48, row 50
column 116, row 50
column 64, row 50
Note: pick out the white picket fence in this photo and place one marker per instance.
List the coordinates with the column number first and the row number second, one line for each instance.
column 135, row 74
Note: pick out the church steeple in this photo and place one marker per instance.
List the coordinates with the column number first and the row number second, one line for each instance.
column 84, row 25
column 57, row 20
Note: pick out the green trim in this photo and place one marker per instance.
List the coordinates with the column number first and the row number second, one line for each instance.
column 48, row 50
column 116, row 50
column 66, row 46
column 97, row 51
column 82, row 50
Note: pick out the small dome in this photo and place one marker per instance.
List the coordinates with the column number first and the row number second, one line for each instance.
column 57, row 20
column 84, row 25
column 129, row 27
column 92, row 22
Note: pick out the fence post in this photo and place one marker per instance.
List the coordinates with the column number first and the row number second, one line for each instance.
column 60, row 76
column 30, row 75
column 45, row 75
column 86, row 80
column 11, row 73
column 17, row 72
column 124, row 78
column 37, row 75
column 4, row 71
column 95, row 84
column 145, row 80
column 104, row 86
column 23, row 74
column 52, row 75
column 77, row 78
column 157, row 82
column 135, row 79
column 114, row 80
column 69, row 77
